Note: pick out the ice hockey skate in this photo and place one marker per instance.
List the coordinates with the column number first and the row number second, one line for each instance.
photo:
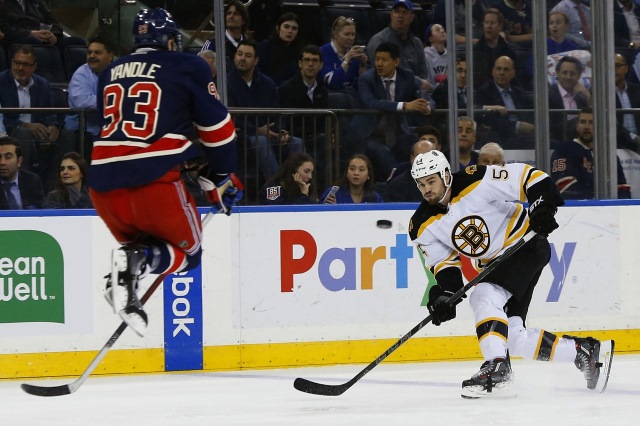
column 493, row 380
column 127, row 266
column 594, row 360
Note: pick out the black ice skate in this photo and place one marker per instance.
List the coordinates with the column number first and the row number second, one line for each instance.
column 493, row 379
column 127, row 265
column 594, row 360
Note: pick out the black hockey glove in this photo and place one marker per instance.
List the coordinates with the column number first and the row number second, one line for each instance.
column 541, row 215
column 438, row 307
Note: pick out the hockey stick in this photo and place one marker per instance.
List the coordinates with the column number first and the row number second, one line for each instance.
column 304, row 385
column 75, row 385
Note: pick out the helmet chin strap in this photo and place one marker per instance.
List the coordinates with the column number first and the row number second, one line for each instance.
column 448, row 186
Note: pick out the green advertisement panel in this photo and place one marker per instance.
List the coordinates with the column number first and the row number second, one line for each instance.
column 31, row 277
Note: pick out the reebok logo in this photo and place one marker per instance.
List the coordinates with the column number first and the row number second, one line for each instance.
column 31, row 278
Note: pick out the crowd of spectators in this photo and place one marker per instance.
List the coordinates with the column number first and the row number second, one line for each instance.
column 399, row 74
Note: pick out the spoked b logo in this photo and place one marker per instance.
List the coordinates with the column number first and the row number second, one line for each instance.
column 471, row 236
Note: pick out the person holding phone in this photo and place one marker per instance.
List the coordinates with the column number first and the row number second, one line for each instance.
column 31, row 22
column 355, row 186
column 343, row 61
column 293, row 183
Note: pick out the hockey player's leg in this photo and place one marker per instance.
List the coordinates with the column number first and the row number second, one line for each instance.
column 495, row 375
column 592, row 357
column 128, row 264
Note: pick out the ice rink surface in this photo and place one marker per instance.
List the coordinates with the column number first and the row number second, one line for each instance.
column 391, row 394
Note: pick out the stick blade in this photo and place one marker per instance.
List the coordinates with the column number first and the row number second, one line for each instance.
column 46, row 390
column 304, row 385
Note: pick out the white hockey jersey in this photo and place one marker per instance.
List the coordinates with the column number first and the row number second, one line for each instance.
column 484, row 217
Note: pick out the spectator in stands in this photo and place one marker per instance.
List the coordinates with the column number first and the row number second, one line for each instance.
column 557, row 42
column 3, row 131
column 31, row 22
column 356, row 185
column 477, row 14
column 425, row 134
column 279, row 54
column 236, row 19
column 391, row 89
column 71, row 188
column 568, row 93
column 435, row 55
column 579, row 15
column 293, row 183
column 342, row 61
column 466, row 139
column 518, row 23
column 402, row 188
column 305, row 90
column 627, row 96
column 626, row 24
column 441, row 93
column 21, row 88
column 491, row 154
column 249, row 88
column 83, row 90
column 490, row 47
column 1, row 36
column 263, row 15
column 399, row 33
column 20, row 189
column 572, row 164
column 497, row 98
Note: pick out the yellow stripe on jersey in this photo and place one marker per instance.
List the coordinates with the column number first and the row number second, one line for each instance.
column 466, row 191
column 530, row 177
column 428, row 222
column 513, row 234
column 452, row 260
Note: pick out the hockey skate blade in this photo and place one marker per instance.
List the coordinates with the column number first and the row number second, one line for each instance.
column 499, row 391
column 605, row 358
column 134, row 321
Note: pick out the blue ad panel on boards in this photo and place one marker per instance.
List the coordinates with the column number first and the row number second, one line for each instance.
column 183, row 321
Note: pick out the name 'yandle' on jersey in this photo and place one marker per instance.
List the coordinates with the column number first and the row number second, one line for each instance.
column 135, row 70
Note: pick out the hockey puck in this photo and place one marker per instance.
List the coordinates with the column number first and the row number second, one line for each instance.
column 383, row 224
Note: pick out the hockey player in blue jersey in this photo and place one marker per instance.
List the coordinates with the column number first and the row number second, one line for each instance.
column 470, row 213
column 153, row 104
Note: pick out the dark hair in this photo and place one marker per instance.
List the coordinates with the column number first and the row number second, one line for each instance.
column 240, row 7
column 8, row 140
column 586, row 110
column 249, row 42
column 571, row 60
column 311, row 49
column 289, row 16
column 369, row 185
column 26, row 49
column 429, row 130
column 82, row 165
column 391, row 48
column 284, row 175
column 108, row 45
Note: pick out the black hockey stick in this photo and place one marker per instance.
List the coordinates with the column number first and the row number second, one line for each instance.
column 304, row 385
column 75, row 385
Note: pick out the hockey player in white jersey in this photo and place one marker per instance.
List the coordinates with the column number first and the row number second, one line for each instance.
column 475, row 213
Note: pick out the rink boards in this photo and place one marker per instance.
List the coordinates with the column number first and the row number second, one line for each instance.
column 294, row 286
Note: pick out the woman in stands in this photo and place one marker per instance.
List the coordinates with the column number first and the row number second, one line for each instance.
column 293, row 183
column 343, row 62
column 356, row 186
column 278, row 55
column 71, row 189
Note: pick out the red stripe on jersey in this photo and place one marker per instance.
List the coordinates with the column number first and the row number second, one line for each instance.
column 565, row 182
column 218, row 134
column 112, row 151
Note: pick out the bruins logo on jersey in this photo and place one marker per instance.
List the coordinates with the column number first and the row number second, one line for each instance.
column 471, row 169
column 471, row 236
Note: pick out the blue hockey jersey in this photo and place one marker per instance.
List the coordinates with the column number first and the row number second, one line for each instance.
column 150, row 103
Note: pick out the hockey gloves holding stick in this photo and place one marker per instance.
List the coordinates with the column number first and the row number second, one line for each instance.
column 224, row 194
column 438, row 307
column 541, row 215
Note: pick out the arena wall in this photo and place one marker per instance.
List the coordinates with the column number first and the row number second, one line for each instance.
column 298, row 285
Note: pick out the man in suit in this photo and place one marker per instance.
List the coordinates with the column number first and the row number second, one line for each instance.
column 568, row 93
column 626, row 24
column 497, row 98
column 391, row 89
column 441, row 93
column 627, row 96
column 19, row 189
